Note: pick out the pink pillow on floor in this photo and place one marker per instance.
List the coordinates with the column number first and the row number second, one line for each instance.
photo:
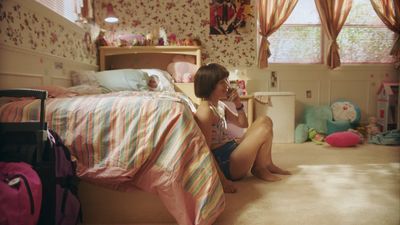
column 343, row 139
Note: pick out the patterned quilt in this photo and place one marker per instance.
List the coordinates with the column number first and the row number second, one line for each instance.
column 128, row 140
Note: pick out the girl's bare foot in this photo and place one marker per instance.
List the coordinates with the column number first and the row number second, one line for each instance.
column 264, row 174
column 274, row 169
column 228, row 186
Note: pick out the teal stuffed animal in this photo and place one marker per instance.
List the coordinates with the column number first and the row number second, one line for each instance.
column 301, row 133
column 317, row 116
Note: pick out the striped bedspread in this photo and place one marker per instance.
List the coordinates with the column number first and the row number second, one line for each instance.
column 127, row 140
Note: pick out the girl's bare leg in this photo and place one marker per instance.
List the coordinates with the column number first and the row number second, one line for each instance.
column 268, row 142
column 259, row 169
column 270, row 165
column 254, row 152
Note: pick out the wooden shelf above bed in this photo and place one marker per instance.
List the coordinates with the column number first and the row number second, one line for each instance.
column 156, row 56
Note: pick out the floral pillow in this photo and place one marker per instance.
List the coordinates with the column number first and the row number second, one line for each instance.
column 85, row 89
column 84, row 77
column 55, row 91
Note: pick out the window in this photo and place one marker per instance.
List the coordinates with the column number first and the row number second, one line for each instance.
column 364, row 38
column 298, row 40
column 69, row 9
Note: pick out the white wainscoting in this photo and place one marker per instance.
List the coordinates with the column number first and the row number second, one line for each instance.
column 21, row 67
column 357, row 83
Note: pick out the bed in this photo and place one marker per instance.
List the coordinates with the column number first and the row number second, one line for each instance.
column 135, row 150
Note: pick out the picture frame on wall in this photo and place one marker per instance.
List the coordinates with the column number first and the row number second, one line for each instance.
column 229, row 16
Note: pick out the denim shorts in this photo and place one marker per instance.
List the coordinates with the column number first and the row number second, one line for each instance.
column 222, row 155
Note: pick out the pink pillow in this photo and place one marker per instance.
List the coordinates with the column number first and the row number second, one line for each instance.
column 182, row 71
column 343, row 139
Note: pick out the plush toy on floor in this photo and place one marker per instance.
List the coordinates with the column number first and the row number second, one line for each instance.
column 314, row 122
column 372, row 127
column 343, row 139
column 315, row 137
column 346, row 115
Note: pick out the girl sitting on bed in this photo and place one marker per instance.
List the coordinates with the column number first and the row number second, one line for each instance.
column 235, row 159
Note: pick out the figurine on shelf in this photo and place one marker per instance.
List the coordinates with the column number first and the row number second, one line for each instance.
column 188, row 42
column 163, row 35
column 181, row 42
column 160, row 42
column 101, row 40
column 172, row 39
column 123, row 43
column 196, row 42
column 138, row 40
column 149, row 39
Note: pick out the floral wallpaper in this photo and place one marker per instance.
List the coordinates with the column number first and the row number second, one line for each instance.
column 185, row 18
column 20, row 26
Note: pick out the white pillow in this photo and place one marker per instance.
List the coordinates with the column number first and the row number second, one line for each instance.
column 123, row 80
column 166, row 82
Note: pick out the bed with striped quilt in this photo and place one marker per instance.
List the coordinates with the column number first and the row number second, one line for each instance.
column 129, row 140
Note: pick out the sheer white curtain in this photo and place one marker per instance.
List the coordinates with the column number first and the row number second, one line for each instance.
column 389, row 13
column 271, row 15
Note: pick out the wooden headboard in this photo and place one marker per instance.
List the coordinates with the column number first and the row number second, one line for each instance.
column 149, row 57
column 144, row 57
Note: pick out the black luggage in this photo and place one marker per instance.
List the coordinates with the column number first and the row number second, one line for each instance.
column 33, row 143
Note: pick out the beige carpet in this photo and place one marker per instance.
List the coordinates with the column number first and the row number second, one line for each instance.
column 329, row 186
column 333, row 186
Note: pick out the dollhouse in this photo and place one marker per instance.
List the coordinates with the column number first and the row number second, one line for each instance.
column 388, row 106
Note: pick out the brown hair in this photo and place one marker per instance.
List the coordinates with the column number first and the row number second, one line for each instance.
column 206, row 79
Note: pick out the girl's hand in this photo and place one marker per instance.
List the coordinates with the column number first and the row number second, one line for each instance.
column 228, row 186
column 233, row 96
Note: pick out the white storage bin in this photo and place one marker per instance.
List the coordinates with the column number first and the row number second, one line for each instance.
column 280, row 107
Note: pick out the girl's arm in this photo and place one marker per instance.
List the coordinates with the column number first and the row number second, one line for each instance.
column 239, row 119
column 204, row 118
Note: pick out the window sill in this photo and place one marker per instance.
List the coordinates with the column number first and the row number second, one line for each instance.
column 43, row 11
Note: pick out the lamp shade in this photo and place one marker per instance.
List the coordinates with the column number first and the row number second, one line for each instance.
column 110, row 16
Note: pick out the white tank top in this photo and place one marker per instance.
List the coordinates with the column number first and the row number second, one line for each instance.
column 219, row 130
